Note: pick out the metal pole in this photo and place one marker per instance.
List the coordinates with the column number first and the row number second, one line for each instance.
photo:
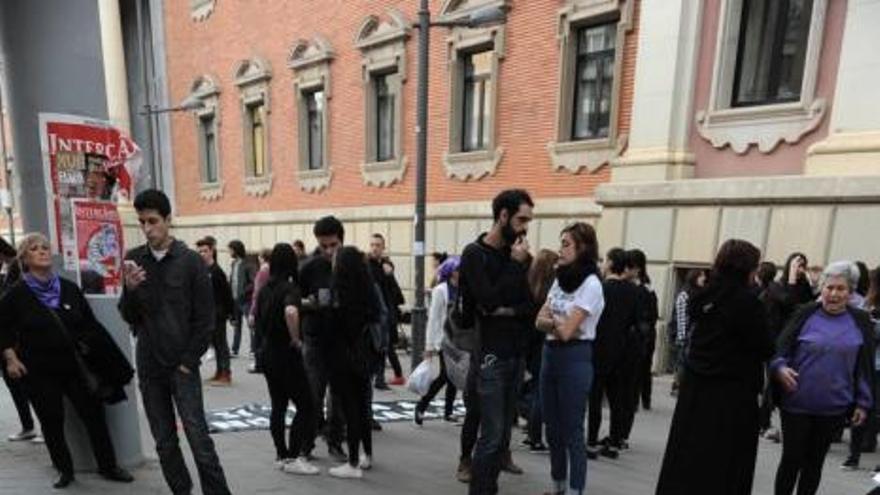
column 148, row 107
column 419, row 312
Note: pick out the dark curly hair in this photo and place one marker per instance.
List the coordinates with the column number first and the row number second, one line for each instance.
column 735, row 262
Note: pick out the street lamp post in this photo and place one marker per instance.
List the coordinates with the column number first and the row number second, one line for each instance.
column 478, row 18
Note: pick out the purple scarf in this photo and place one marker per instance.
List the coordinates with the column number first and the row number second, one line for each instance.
column 48, row 292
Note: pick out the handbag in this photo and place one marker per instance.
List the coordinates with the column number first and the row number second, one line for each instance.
column 90, row 379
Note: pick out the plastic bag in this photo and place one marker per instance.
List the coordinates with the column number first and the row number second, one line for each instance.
column 421, row 378
column 458, row 363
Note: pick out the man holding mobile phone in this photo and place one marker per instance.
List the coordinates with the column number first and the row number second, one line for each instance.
column 169, row 303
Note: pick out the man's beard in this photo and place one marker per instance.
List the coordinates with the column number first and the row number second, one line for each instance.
column 508, row 234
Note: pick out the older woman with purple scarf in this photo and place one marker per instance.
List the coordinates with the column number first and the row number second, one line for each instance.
column 443, row 294
column 42, row 318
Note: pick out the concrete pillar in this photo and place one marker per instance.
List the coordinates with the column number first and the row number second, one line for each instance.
column 114, row 64
column 853, row 145
column 62, row 70
column 669, row 33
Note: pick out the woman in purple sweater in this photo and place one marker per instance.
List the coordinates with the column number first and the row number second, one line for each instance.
column 824, row 365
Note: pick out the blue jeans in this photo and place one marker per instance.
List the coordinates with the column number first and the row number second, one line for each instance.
column 497, row 384
column 566, row 378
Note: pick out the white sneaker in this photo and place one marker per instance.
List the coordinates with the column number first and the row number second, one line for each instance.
column 38, row 439
column 301, row 466
column 346, row 471
column 22, row 436
column 280, row 463
column 366, row 462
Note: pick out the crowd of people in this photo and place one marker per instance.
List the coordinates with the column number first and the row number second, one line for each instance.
column 550, row 337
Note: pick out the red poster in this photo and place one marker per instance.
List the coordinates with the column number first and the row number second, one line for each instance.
column 83, row 158
column 99, row 246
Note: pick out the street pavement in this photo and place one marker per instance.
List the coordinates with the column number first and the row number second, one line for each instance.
column 408, row 459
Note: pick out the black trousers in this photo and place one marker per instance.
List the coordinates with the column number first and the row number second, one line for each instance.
column 46, row 394
column 221, row 346
column 162, row 392
column 353, row 386
column 286, row 379
column 436, row 385
column 805, row 442
column 616, row 387
column 471, row 426
column 317, row 363
column 644, row 376
column 19, row 398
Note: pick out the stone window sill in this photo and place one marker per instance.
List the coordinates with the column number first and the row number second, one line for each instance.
column 764, row 126
column 314, row 181
column 258, row 186
column 473, row 165
column 384, row 174
column 210, row 191
column 574, row 156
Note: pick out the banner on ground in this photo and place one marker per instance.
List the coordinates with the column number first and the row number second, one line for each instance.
column 82, row 158
column 100, row 247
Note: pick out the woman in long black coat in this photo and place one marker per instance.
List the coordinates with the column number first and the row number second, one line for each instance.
column 45, row 321
column 713, row 441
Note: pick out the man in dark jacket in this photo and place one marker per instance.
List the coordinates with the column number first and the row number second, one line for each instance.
column 169, row 304
column 223, row 309
column 496, row 296
column 382, row 270
column 241, row 280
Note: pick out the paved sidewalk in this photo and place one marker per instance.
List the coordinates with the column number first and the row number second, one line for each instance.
column 408, row 459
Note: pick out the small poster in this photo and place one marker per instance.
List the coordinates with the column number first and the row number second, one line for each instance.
column 82, row 158
column 100, row 247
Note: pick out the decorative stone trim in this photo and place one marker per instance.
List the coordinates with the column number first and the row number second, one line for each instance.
column 384, row 174
column 200, row 10
column 210, row 192
column 310, row 62
column 252, row 78
column 766, row 125
column 472, row 165
column 574, row 156
column 314, row 181
column 258, row 186
column 206, row 89
column 571, row 156
column 383, row 45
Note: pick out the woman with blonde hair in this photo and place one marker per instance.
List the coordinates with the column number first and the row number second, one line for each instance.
column 45, row 322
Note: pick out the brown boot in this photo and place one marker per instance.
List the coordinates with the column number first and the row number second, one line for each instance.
column 464, row 471
column 508, row 466
column 223, row 379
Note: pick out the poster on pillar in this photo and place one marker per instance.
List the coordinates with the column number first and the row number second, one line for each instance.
column 82, row 158
column 100, row 247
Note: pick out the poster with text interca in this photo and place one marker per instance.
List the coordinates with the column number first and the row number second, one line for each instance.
column 100, row 246
column 83, row 158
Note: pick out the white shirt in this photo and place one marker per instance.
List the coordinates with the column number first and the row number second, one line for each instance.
column 159, row 255
column 437, row 317
column 588, row 297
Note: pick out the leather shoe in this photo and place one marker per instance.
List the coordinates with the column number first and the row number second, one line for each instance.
column 64, row 481
column 117, row 474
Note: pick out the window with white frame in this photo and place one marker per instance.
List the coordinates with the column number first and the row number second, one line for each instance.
column 252, row 78
column 207, row 123
column 771, row 52
column 382, row 41
column 476, row 110
column 310, row 62
column 592, row 36
column 765, row 74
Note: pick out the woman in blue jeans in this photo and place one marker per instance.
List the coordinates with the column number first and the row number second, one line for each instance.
column 569, row 317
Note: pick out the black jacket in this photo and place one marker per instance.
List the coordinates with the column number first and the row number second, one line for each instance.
column 224, row 306
column 491, row 279
column 172, row 312
column 787, row 343
column 45, row 348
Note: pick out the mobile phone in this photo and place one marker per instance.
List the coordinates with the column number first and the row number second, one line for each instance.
column 130, row 266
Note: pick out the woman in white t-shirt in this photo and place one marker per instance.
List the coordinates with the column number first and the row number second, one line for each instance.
column 569, row 317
